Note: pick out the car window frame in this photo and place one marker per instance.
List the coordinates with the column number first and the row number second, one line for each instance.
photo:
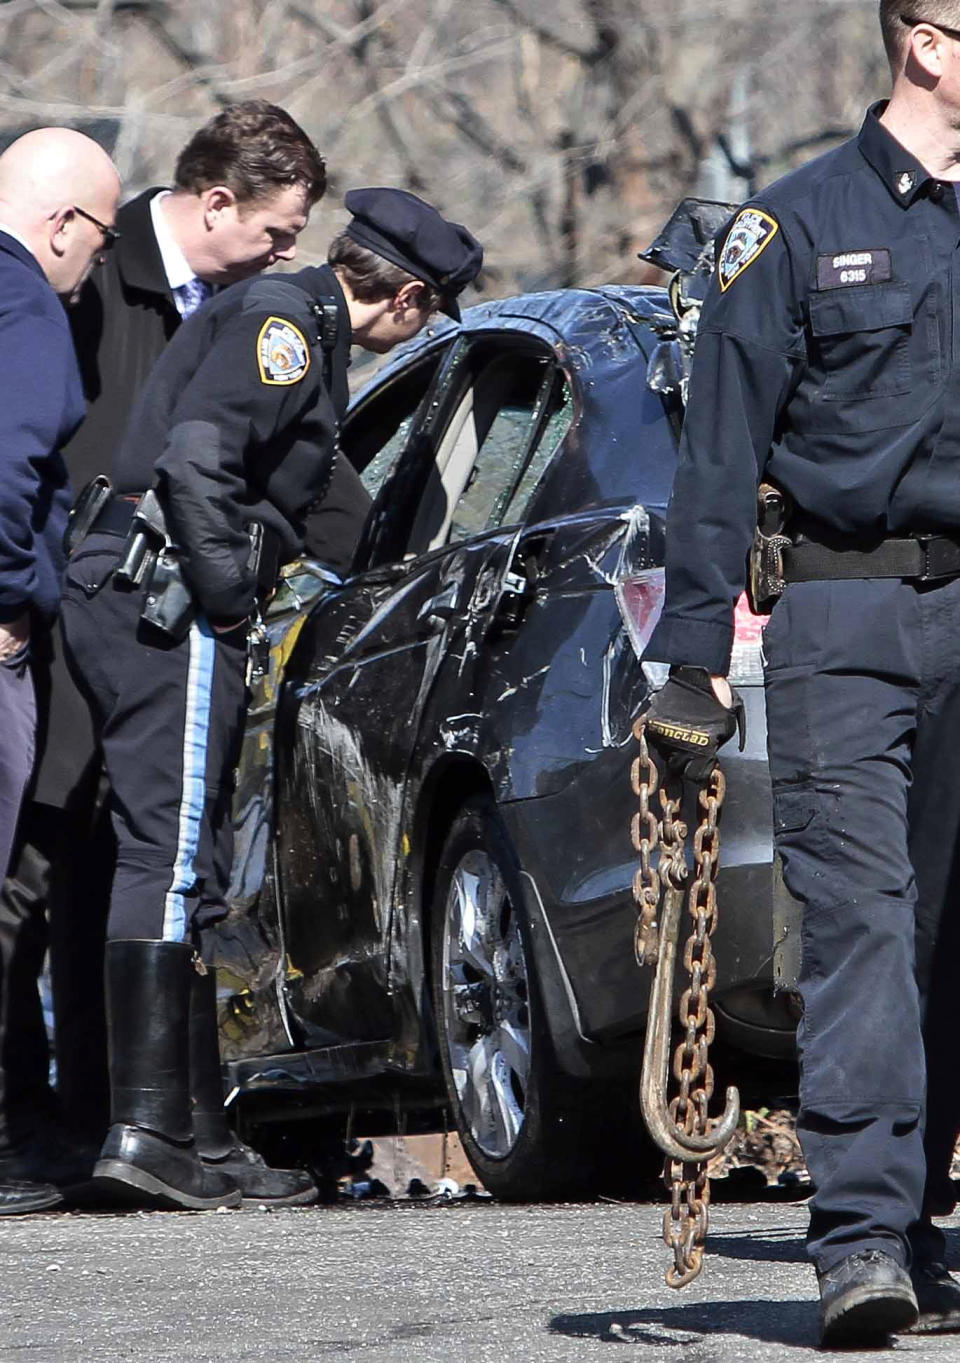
column 380, row 384
column 381, row 549
column 554, row 374
column 506, row 356
column 379, row 546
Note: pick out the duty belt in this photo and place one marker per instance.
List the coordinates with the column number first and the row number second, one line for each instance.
column 921, row 558
column 115, row 517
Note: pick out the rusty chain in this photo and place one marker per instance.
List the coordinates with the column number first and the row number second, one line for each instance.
column 686, row 1219
column 645, row 830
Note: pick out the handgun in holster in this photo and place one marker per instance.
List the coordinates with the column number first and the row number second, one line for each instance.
column 765, row 581
column 150, row 557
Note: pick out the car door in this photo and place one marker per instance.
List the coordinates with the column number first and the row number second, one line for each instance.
column 365, row 665
column 341, row 751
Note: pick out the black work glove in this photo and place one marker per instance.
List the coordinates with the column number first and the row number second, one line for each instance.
column 687, row 725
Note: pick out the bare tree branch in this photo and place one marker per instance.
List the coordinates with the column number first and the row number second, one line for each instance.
column 584, row 53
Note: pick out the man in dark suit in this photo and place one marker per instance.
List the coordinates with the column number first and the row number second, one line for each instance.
column 243, row 188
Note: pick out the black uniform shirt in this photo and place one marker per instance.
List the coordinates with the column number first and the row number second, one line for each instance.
column 828, row 360
column 237, row 423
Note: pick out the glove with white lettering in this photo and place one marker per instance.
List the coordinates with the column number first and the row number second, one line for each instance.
column 687, row 725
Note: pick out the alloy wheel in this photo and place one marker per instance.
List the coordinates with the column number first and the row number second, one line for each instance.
column 486, row 1005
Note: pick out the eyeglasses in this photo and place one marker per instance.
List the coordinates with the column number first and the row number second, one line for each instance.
column 912, row 23
column 110, row 234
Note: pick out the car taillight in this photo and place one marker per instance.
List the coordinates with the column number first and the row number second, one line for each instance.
column 640, row 598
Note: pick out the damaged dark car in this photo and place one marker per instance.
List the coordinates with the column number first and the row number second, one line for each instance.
column 432, row 906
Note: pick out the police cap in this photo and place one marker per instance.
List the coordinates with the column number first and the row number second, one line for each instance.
column 410, row 233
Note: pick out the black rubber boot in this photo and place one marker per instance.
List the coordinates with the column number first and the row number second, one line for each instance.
column 219, row 1147
column 149, row 1157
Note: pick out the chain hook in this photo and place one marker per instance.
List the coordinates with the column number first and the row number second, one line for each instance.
column 681, row 1128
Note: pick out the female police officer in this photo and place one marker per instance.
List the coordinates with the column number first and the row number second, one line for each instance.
column 235, row 432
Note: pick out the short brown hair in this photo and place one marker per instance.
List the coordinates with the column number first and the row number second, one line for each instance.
column 895, row 31
column 370, row 278
column 254, row 149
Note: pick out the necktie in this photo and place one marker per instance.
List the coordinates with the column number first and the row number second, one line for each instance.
column 191, row 295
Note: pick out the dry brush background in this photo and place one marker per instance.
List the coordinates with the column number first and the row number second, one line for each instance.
column 560, row 131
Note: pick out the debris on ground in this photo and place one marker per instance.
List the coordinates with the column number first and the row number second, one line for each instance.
column 764, row 1152
column 412, row 1168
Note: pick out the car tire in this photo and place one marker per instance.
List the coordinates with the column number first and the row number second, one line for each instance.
column 530, row 1132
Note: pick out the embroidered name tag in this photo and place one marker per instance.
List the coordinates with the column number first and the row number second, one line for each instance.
column 853, row 267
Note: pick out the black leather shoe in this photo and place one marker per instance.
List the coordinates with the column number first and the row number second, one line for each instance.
column 258, row 1182
column 49, row 1157
column 144, row 1169
column 864, row 1298
column 17, row 1199
column 938, row 1297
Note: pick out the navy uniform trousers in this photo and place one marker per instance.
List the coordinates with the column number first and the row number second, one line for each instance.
column 170, row 721
column 863, row 714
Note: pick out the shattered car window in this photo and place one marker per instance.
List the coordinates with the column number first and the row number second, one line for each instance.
column 494, row 469
column 376, row 429
column 555, row 428
column 382, row 462
column 509, row 397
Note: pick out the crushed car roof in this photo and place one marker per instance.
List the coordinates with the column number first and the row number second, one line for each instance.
column 573, row 316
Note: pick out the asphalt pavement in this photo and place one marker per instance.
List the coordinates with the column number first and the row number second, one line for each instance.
column 472, row 1281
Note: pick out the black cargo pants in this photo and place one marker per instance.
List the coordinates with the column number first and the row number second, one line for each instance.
column 863, row 714
column 170, row 720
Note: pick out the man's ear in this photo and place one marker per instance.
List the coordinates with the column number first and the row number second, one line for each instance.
column 925, row 53
column 59, row 226
column 216, row 201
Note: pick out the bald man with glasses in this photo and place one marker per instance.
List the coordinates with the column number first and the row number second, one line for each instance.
column 58, row 196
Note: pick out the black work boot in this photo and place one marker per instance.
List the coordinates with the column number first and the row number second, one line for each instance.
column 149, row 1157
column 18, row 1198
column 219, row 1148
column 938, row 1298
column 864, row 1298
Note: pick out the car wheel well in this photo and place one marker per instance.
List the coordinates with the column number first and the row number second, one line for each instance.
column 451, row 786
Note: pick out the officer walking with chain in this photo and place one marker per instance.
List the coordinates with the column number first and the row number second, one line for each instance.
column 828, row 364
column 233, row 439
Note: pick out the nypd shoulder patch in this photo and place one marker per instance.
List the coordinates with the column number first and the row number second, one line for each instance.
column 751, row 233
column 283, row 355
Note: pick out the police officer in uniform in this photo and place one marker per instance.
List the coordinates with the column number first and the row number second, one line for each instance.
column 236, row 432
column 828, row 363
